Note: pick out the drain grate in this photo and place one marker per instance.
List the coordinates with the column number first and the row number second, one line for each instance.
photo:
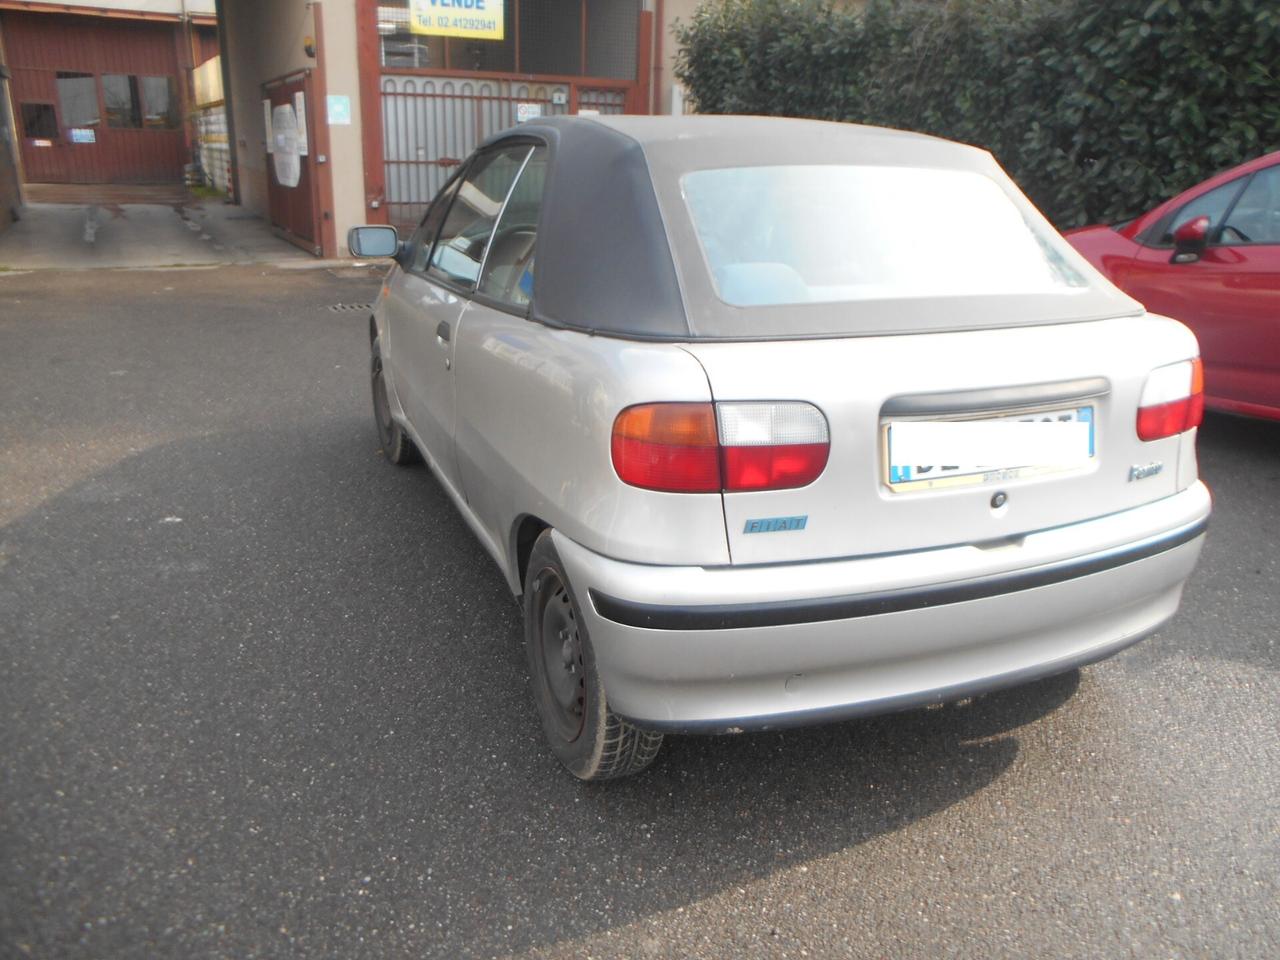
column 348, row 307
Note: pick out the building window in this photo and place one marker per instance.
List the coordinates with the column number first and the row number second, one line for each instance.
column 611, row 39
column 39, row 121
column 551, row 37
column 78, row 97
column 124, row 108
column 400, row 48
column 160, row 98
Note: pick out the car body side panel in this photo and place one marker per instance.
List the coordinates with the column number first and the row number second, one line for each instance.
column 1107, row 249
column 536, row 407
column 1230, row 297
column 413, row 309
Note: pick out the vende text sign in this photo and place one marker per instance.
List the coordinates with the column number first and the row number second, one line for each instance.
column 477, row 19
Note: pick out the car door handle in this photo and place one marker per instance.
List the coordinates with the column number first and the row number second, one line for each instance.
column 443, row 331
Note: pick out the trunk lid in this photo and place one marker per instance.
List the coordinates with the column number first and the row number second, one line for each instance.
column 862, row 384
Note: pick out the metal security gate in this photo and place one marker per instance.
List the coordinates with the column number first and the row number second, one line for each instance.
column 432, row 99
column 431, row 123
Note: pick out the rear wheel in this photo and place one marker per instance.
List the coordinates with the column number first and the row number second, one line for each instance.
column 395, row 443
column 590, row 740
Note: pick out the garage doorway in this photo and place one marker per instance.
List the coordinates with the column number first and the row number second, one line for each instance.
column 292, row 186
column 96, row 100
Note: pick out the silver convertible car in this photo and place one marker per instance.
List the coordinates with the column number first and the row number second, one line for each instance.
column 773, row 422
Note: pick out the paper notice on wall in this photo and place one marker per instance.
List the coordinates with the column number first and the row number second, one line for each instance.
column 339, row 110
column 266, row 122
column 300, row 111
column 285, row 156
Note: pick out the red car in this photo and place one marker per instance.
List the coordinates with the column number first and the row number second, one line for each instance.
column 1210, row 257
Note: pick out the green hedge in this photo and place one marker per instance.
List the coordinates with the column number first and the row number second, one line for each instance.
column 1098, row 108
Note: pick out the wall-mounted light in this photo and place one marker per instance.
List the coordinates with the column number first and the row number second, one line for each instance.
column 309, row 46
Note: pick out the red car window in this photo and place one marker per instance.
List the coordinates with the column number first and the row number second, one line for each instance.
column 1213, row 205
column 1255, row 218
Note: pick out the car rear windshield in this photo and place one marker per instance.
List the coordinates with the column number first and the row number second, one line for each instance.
column 776, row 235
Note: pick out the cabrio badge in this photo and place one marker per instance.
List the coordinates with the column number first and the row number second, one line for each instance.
column 1144, row 470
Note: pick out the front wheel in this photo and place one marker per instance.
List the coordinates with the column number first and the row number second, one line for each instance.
column 590, row 740
column 395, row 443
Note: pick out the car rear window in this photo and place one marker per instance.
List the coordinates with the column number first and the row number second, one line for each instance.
column 778, row 235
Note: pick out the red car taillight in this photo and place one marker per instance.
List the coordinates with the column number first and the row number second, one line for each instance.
column 730, row 447
column 1172, row 400
column 668, row 446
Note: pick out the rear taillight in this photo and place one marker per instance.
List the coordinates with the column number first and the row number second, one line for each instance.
column 1172, row 400
column 668, row 446
column 709, row 448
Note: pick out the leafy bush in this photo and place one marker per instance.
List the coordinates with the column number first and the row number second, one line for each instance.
column 1098, row 108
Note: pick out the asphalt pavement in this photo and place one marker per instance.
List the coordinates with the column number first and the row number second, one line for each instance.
column 261, row 695
column 96, row 233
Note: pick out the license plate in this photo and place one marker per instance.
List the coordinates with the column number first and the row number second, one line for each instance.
column 929, row 454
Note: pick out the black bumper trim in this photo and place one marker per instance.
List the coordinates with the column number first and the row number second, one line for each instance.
column 652, row 616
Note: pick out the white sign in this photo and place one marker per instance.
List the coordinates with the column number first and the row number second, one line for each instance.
column 559, row 97
column 287, row 161
column 266, row 123
column 83, row 135
column 528, row 111
column 339, row 108
column 300, row 111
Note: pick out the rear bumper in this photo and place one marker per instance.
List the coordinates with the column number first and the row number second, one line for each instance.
column 734, row 648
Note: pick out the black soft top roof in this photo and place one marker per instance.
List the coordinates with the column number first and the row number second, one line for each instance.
column 604, row 262
column 618, row 254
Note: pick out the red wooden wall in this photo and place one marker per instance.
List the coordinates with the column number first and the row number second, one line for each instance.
column 39, row 45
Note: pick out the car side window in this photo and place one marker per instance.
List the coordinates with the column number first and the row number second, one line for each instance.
column 1256, row 216
column 1213, row 205
column 508, row 271
column 425, row 235
column 459, row 250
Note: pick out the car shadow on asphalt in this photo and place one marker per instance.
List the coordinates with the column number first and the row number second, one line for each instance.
column 1240, row 462
column 274, row 684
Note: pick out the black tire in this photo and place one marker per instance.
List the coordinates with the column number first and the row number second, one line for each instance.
column 396, row 445
column 590, row 740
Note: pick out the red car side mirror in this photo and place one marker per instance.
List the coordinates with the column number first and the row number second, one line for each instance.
column 1189, row 240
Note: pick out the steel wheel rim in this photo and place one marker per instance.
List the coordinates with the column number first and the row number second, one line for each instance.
column 381, row 404
column 559, row 653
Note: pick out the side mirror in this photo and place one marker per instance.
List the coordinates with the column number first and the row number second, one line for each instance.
column 374, row 241
column 1189, row 240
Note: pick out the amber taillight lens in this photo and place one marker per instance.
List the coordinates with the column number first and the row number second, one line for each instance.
column 668, row 446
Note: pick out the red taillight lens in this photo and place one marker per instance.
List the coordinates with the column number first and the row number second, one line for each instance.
column 705, row 448
column 773, row 468
column 1172, row 400
column 668, row 446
